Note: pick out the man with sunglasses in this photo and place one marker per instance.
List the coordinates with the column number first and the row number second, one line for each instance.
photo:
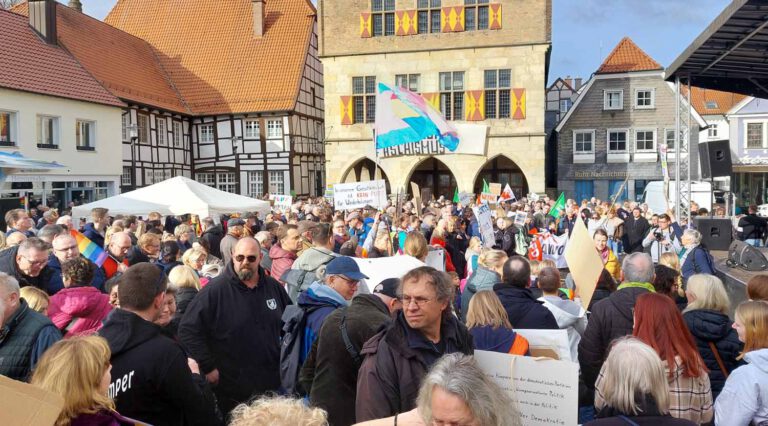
column 27, row 262
column 232, row 328
column 398, row 357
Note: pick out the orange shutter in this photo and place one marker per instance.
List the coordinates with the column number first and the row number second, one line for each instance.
column 452, row 19
column 405, row 22
column 366, row 25
column 474, row 105
column 518, row 104
column 414, row 22
column 459, row 25
column 399, row 24
column 346, row 111
column 494, row 18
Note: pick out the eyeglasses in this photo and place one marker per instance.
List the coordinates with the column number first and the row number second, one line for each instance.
column 251, row 259
column 70, row 248
column 419, row 301
column 349, row 281
column 35, row 262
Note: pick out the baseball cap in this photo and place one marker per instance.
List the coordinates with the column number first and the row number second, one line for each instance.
column 353, row 215
column 388, row 287
column 235, row 222
column 346, row 266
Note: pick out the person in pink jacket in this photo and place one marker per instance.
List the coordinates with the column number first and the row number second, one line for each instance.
column 284, row 253
column 79, row 308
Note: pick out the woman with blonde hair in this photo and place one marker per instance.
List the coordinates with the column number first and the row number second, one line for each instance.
column 742, row 400
column 488, row 274
column 184, row 234
column 37, row 299
column 707, row 319
column 489, row 325
column 416, row 246
column 277, row 411
column 185, row 279
column 112, row 230
column 632, row 387
column 78, row 370
column 472, row 255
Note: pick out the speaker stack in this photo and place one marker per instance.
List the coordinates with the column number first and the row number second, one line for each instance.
column 746, row 257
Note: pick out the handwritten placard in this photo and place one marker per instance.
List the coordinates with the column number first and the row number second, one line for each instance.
column 356, row 195
column 544, row 391
column 282, row 202
column 495, row 188
column 485, row 223
column 488, row 198
column 465, row 198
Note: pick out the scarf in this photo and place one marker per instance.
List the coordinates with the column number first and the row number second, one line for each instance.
column 604, row 254
column 647, row 286
column 685, row 252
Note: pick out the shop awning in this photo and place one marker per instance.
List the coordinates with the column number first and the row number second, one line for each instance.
column 731, row 54
column 17, row 161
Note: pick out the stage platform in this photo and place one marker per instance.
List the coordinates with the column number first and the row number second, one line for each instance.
column 735, row 279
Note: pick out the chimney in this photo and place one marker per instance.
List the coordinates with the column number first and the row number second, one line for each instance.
column 578, row 84
column 569, row 80
column 258, row 18
column 42, row 18
column 75, row 4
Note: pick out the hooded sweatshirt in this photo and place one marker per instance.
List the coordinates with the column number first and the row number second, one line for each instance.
column 318, row 302
column 499, row 339
column 79, row 310
column 314, row 260
column 482, row 279
column 569, row 316
column 151, row 380
column 743, row 398
column 282, row 260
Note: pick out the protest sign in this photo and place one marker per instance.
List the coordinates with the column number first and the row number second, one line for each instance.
column 282, row 202
column 520, row 219
column 488, row 198
column 416, row 197
column 549, row 246
column 533, row 197
column 436, row 259
column 355, row 195
column 495, row 188
column 465, row 198
column 550, row 343
column 586, row 265
column 380, row 268
column 485, row 223
column 507, row 194
column 24, row 404
column 544, row 391
column 663, row 155
column 329, row 191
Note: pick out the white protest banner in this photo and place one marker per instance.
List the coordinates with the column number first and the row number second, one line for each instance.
column 540, row 341
column 553, row 248
column 380, row 268
column 282, row 202
column 520, row 218
column 544, row 391
column 436, row 259
column 357, row 195
column 507, row 194
column 485, row 223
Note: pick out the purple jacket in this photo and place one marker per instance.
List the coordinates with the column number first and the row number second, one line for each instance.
column 78, row 310
column 103, row 418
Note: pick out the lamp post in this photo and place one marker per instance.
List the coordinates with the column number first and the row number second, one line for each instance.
column 133, row 133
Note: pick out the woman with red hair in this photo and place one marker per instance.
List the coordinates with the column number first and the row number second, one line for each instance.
column 659, row 324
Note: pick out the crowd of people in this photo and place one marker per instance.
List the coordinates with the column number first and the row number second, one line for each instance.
column 245, row 320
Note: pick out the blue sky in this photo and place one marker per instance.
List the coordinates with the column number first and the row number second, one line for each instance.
column 585, row 31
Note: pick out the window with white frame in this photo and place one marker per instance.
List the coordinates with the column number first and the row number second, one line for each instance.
column 475, row 15
column 497, row 84
column 583, row 142
column 452, row 95
column 669, row 139
column 277, row 182
column 7, row 128
column 383, row 17
column 126, row 122
column 252, row 129
column 428, row 19
column 565, row 105
column 126, row 179
column 142, row 121
column 274, row 129
column 712, row 131
column 755, row 132
column 645, row 140
column 645, row 98
column 85, row 132
column 206, row 133
column 47, row 131
column 208, row 179
column 408, row 81
column 149, row 176
column 226, row 182
column 617, row 141
column 613, row 99
column 256, row 184
column 162, row 134
column 364, row 99
column 178, row 134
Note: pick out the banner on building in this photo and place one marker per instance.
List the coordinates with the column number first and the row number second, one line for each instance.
column 545, row 391
column 355, row 195
column 281, row 202
column 485, row 223
column 549, row 246
column 472, row 141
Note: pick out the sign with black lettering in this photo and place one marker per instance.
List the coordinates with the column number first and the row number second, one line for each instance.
column 355, row 195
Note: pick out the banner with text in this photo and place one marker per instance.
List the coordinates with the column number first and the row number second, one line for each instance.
column 282, row 202
column 549, row 246
column 472, row 141
column 357, row 195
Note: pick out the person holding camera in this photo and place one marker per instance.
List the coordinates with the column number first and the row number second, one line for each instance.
column 664, row 238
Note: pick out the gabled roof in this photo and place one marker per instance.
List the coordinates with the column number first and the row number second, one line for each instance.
column 124, row 64
column 714, row 102
column 29, row 64
column 627, row 57
column 210, row 53
column 563, row 84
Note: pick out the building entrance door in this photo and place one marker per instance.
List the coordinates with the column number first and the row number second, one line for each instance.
column 79, row 195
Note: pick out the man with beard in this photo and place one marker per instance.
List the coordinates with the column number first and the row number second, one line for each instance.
column 232, row 328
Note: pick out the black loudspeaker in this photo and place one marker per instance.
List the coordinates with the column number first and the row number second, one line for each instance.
column 716, row 234
column 715, row 157
column 746, row 257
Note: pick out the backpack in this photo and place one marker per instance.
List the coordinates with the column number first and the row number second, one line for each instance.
column 299, row 280
column 294, row 321
column 521, row 243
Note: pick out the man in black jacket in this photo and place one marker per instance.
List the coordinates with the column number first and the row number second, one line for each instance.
column 523, row 310
column 232, row 328
column 28, row 263
column 613, row 317
column 329, row 374
column 636, row 227
column 152, row 379
column 752, row 228
column 212, row 234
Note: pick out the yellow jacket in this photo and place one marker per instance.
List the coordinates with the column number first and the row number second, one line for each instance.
column 613, row 266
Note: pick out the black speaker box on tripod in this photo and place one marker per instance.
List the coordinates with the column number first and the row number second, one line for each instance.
column 716, row 234
column 715, row 157
column 746, row 257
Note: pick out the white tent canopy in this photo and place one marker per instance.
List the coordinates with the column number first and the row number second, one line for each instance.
column 176, row 196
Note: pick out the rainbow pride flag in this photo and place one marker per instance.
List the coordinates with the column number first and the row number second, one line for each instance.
column 89, row 249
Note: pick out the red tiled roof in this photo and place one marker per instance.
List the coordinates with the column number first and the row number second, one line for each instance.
column 30, row 64
column 627, row 57
column 208, row 49
column 124, row 64
column 711, row 102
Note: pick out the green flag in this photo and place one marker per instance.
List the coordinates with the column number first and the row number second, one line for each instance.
column 559, row 206
column 486, row 188
column 456, row 195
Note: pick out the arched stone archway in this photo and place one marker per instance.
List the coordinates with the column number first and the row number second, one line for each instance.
column 364, row 170
column 501, row 169
column 434, row 174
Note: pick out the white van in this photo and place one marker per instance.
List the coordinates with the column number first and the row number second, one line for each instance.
column 701, row 193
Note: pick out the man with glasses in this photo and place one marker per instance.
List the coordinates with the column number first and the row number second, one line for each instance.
column 398, row 357
column 232, row 328
column 27, row 262
column 118, row 248
column 65, row 248
column 664, row 238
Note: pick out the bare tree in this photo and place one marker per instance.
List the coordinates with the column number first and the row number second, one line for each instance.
column 7, row 4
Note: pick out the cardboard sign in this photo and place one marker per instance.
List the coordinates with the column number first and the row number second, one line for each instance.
column 380, row 268
column 520, row 218
column 355, row 195
column 485, row 223
column 585, row 263
column 436, row 259
column 427, row 195
column 488, row 198
column 544, row 391
column 548, row 343
column 465, row 198
column 416, row 197
column 495, row 188
column 282, row 202
column 24, row 404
